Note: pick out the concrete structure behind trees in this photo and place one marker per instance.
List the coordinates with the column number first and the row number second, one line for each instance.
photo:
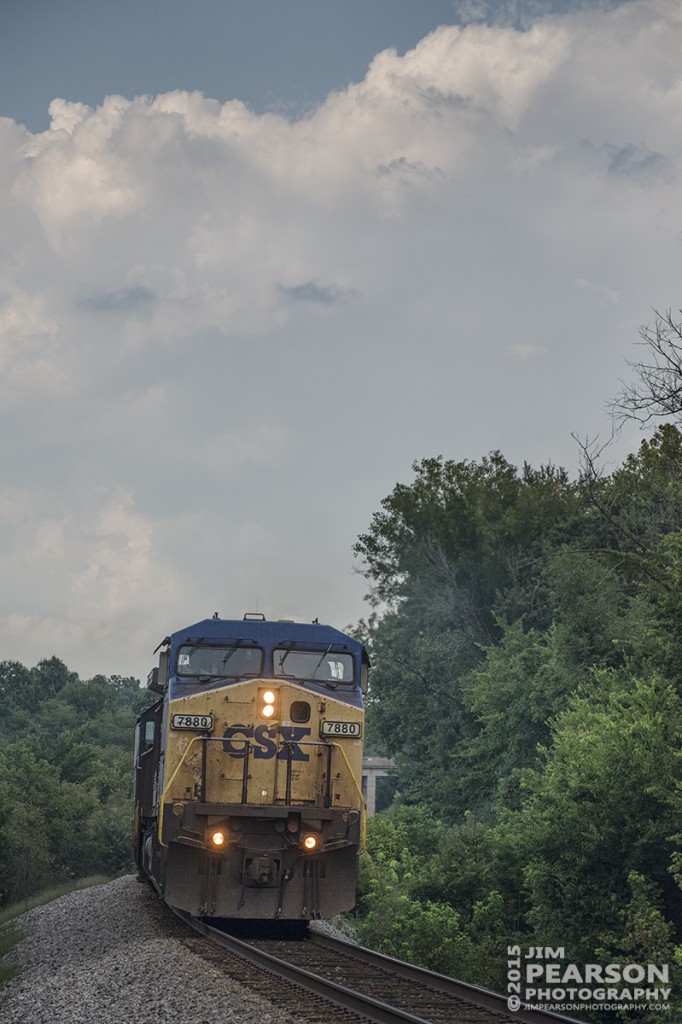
column 374, row 768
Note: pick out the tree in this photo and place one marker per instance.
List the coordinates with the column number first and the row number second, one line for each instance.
column 414, row 710
column 657, row 391
column 446, row 898
column 521, row 684
column 644, row 936
column 605, row 805
column 65, row 760
column 527, row 669
column 427, row 544
column 453, row 554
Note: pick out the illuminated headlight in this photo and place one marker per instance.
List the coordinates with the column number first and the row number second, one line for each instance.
column 310, row 843
column 268, row 701
column 218, row 839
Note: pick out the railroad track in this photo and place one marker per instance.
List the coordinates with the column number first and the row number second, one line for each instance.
column 343, row 982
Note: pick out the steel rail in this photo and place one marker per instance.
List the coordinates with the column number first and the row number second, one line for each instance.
column 473, row 994
column 365, row 1005
column 346, row 999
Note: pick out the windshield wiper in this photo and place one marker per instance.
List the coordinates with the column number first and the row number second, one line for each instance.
column 229, row 654
column 332, row 685
column 284, row 657
column 231, row 650
column 321, row 660
column 195, row 647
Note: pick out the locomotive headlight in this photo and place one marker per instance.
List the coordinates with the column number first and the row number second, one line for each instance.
column 268, row 703
column 310, row 843
column 218, row 839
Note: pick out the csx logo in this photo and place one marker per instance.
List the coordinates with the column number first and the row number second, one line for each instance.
column 265, row 745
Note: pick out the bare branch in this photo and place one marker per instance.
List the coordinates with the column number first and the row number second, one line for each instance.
column 657, row 389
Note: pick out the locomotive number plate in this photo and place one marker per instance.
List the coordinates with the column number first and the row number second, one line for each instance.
column 341, row 729
column 193, row 721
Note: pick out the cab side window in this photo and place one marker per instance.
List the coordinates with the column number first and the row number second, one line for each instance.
column 148, row 735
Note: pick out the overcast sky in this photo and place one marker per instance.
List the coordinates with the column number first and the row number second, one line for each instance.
column 257, row 257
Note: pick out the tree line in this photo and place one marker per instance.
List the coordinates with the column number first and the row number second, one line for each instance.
column 527, row 677
column 66, row 764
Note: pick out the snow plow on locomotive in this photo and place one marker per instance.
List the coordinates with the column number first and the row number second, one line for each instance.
column 248, row 800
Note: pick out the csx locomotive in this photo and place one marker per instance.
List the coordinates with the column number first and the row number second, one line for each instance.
column 248, row 799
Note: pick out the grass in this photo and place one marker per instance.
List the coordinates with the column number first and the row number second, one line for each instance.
column 47, row 895
column 11, row 935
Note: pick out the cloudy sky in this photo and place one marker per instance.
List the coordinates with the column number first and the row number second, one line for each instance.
column 258, row 256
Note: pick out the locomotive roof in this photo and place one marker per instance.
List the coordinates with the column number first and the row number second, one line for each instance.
column 271, row 632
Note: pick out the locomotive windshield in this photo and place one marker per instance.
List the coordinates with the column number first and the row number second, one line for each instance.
column 325, row 666
column 227, row 660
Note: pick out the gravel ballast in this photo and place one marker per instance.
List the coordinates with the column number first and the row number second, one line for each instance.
column 114, row 953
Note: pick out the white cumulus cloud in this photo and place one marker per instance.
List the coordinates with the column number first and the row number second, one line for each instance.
column 224, row 335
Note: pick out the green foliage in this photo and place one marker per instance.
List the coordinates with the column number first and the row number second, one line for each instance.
column 403, row 833
column 427, row 934
column 415, row 709
column 10, row 936
column 521, row 684
column 39, row 899
column 604, row 805
column 664, row 641
column 429, row 893
column 461, row 555
column 643, row 935
column 470, row 861
column 645, row 494
column 447, row 544
column 527, row 678
column 65, row 760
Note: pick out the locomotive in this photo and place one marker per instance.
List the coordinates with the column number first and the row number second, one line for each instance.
column 247, row 796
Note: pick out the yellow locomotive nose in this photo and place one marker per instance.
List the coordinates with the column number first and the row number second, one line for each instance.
column 248, row 770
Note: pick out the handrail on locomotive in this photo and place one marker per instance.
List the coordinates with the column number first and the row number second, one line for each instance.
column 302, row 743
